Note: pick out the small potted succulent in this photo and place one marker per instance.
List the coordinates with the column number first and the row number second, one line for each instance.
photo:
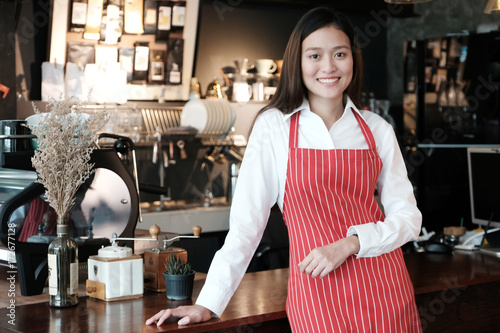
column 179, row 278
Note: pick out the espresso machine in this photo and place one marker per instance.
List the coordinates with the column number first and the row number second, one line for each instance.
column 183, row 165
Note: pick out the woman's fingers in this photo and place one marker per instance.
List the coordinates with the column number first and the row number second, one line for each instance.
column 189, row 315
column 192, row 314
column 322, row 260
column 306, row 265
column 160, row 317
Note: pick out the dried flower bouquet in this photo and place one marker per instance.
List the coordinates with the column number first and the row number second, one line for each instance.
column 66, row 136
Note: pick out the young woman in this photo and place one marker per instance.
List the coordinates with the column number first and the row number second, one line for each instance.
column 321, row 159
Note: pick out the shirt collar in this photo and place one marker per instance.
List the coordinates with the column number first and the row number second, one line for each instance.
column 305, row 106
column 349, row 104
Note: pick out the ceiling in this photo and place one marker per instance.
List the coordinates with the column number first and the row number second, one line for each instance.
column 355, row 5
column 366, row 6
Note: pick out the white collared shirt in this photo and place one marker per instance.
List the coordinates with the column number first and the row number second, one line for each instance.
column 261, row 184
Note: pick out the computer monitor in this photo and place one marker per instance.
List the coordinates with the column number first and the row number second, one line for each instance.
column 484, row 185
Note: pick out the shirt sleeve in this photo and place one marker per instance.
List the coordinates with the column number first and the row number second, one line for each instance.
column 256, row 192
column 403, row 219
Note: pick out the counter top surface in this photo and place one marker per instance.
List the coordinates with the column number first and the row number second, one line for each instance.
column 260, row 299
column 435, row 272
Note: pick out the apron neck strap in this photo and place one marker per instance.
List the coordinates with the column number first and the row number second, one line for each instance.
column 294, row 130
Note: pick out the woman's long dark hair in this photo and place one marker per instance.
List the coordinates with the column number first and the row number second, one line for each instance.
column 291, row 90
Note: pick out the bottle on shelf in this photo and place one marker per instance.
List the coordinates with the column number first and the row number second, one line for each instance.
column 410, row 67
column 150, row 16
column 178, row 16
column 442, row 92
column 175, row 74
column 112, row 22
column 157, row 66
column 452, row 95
column 141, row 61
column 78, row 15
column 163, row 22
column 195, row 91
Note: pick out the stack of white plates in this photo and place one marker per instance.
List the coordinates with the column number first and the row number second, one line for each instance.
column 208, row 116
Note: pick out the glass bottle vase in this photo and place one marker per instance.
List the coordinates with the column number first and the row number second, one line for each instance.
column 63, row 268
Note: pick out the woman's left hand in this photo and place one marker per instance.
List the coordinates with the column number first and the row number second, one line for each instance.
column 323, row 260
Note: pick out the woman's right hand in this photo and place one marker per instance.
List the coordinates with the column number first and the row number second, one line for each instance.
column 189, row 315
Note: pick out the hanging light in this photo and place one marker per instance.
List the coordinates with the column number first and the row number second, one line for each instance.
column 406, row 2
column 492, row 6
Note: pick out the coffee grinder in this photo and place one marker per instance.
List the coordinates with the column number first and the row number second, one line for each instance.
column 154, row 261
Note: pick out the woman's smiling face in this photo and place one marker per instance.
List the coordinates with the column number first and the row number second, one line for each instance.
column 327, row 64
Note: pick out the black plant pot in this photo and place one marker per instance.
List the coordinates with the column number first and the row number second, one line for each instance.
column 179, row 287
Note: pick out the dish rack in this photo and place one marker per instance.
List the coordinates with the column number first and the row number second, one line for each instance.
column 165, row 119
column 154, row 120
column 160, row 119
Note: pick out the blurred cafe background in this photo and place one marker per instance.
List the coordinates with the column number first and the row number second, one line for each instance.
column 183, row 80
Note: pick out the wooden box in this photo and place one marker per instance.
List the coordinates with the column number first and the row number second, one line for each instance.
column 154, row 266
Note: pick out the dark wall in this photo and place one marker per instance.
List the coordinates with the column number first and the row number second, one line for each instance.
column 250, row 30
column 7, row 59
column 29, row 22
column 41, row 25
column 33, row 35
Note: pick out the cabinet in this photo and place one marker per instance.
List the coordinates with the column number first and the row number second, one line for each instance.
column 59, row 37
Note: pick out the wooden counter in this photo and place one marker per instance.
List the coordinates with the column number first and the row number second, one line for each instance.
column 459, row 292
column 456, row 293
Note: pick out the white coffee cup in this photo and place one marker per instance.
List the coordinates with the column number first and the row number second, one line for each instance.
column 265, row 66
column 242, row 92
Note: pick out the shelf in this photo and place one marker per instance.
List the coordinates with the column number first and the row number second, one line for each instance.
column 59, row 37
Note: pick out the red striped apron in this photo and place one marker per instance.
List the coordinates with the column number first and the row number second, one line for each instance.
column 326, row 192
